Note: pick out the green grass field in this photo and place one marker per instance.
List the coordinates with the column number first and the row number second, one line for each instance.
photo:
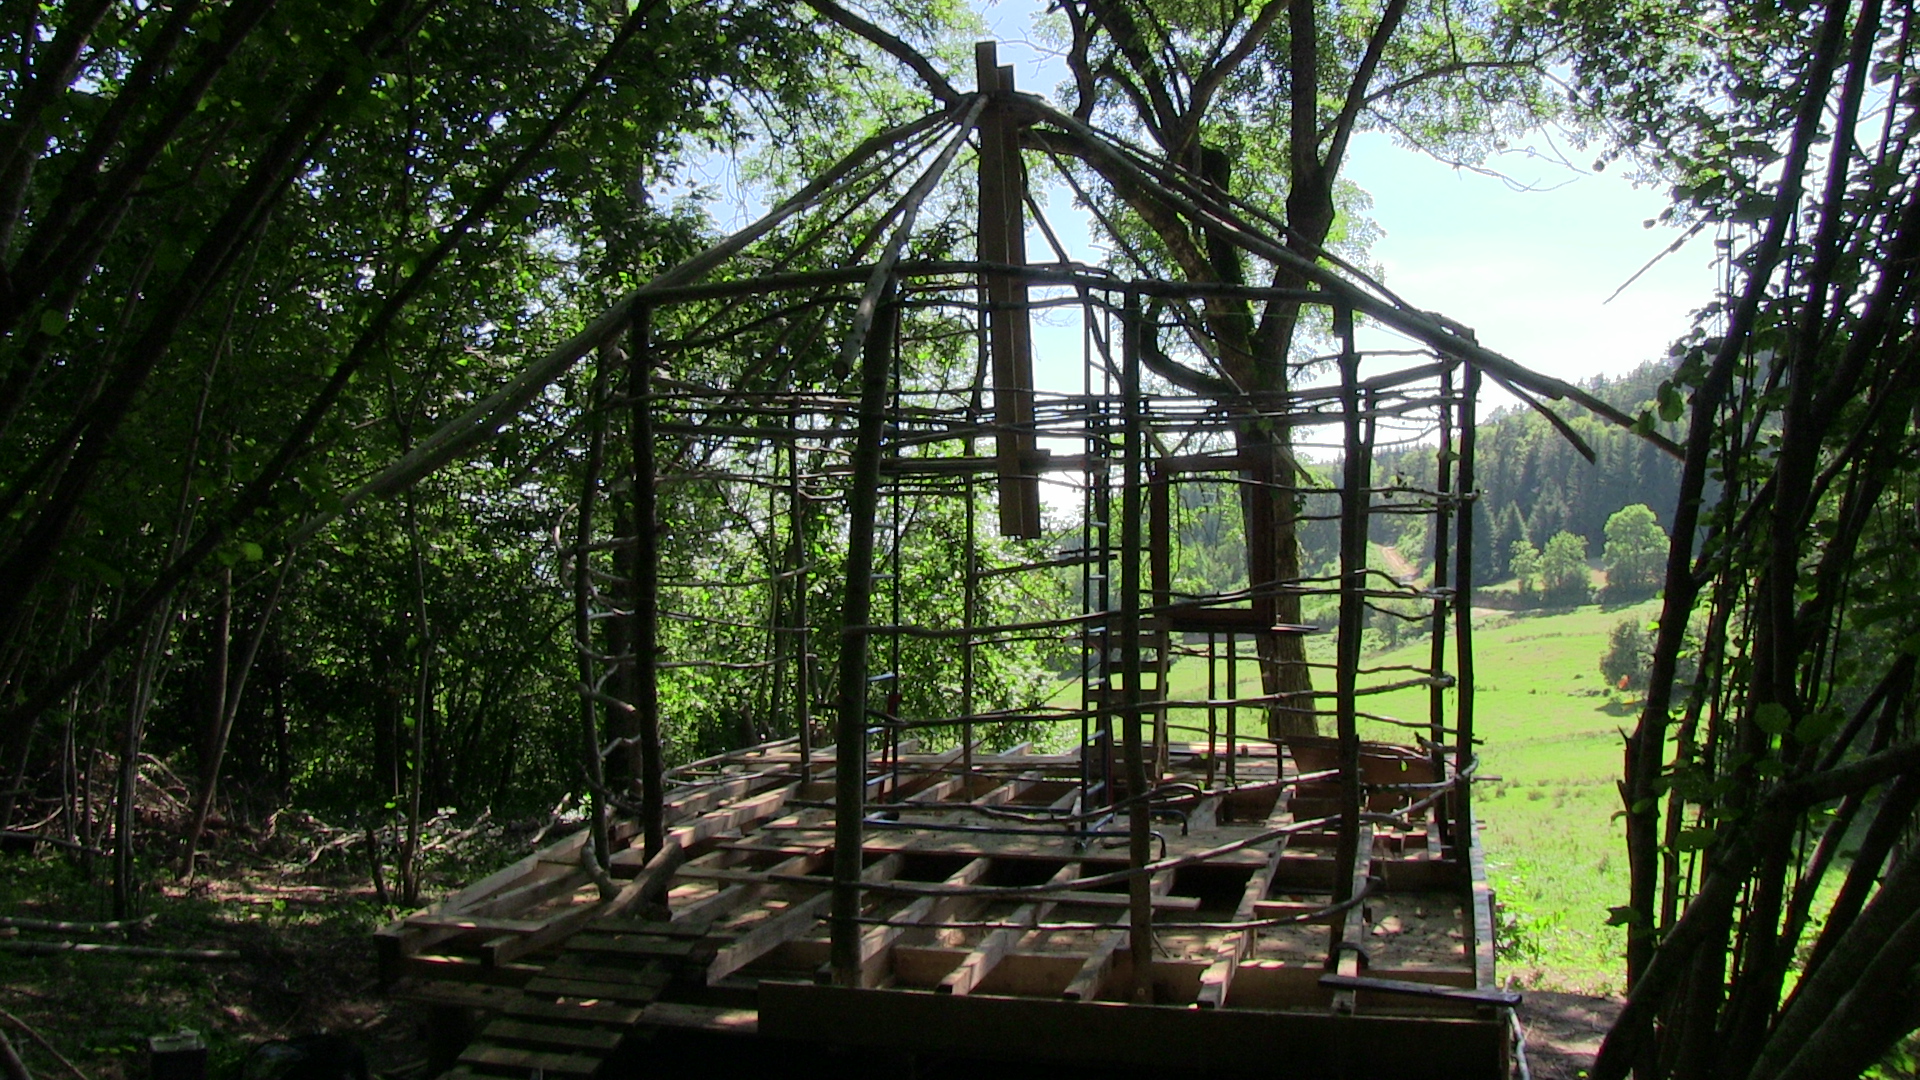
column 1553, row 737
column 1551, row 754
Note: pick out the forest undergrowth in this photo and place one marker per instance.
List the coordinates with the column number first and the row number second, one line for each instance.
column 268, row 941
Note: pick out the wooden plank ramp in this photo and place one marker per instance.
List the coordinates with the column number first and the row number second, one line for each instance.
column 603, row 989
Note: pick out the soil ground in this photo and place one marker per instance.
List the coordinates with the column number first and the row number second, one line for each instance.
column 1563, row 1032
column 306, row 967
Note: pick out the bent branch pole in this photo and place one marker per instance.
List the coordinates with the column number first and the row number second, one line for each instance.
column 871, row 338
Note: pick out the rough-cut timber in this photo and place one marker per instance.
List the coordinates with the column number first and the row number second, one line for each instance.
column 976, row 941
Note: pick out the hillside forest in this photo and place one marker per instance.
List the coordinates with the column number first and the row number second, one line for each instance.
column 307, row 375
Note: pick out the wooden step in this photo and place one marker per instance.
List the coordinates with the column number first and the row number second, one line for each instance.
column 579, row 968
column 588, row 1011
column 647, row 945
column 585, row 988
column 559, row 1038
column 463, row 994
column 487, row 1055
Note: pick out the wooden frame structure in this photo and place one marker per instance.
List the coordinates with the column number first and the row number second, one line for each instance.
column 1127, row 897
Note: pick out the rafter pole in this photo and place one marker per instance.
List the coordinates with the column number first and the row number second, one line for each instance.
column 850, row 741
column 871, row 337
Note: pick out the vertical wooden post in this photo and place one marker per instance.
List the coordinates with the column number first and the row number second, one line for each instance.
column 1233, row 710
column 646, row 581
column 1139, row 812
column 1213, row 713
column 1463, row 616
column 595, row 406
column 850, row 740
column 1002, row 238
column 1159, row 543
column 1355, row 495
column 800, row 643
column 969, row 618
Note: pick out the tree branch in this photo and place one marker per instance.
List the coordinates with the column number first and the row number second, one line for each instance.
column 1216, row 74
column 937, row 84
column 1362, row 77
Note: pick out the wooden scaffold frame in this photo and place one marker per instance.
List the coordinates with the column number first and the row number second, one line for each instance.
column 914, row 884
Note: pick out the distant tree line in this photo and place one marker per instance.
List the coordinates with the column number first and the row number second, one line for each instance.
column 1535, row 483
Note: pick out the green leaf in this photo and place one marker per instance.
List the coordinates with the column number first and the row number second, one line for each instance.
column 1672, row 405
column 1818, row 725
column 1622, row 915
column 52, row 322
column 1693, row 840
column 251, row 551
column 1772, row 718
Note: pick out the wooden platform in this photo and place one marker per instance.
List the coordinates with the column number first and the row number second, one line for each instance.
column 724, row 932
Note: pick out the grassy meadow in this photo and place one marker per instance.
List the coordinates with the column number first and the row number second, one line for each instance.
column 1552, row 734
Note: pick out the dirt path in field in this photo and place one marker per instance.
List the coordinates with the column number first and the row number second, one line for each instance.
column 1564, row 1031
column 1403, row 571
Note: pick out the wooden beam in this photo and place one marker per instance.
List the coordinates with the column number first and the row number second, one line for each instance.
column 531, row 1061
column 1476, row 995
column 1218, row 978
column 913, row 786
column 552, row 1035
column 708, row 1018
column 649, row 884
column 1349, row 928
column 875, row 941
column 1483, row 942
column 980, row 962
column 466, row 924
column 796, row 920
column 1092, row 979
column 1001, row 239
column 720, row 792
column 1138, row 1037
column 739, row 892
column 735, row 817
